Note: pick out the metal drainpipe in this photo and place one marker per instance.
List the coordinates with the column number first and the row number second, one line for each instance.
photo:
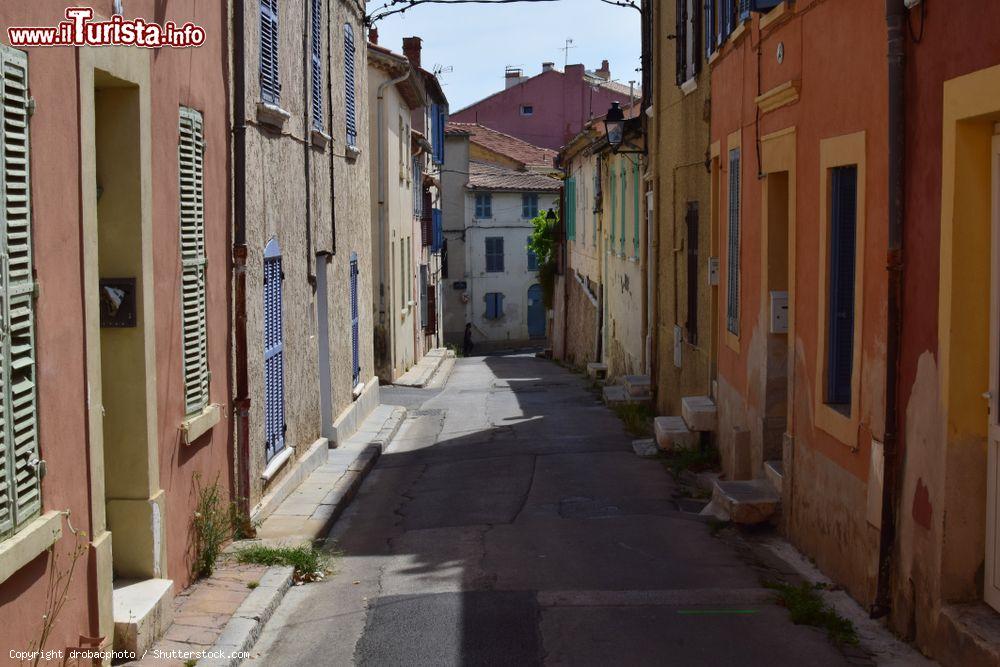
column 380, row 122
column 241, row 402
column 895, row 17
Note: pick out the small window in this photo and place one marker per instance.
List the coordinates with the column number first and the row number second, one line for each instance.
column 484, row 205
column 494, row 305
column 840, row 286
column 527, row 110
column 270, row 82
column 317, row 66
column 532, row 257
column 494, row 254
column 529, row 206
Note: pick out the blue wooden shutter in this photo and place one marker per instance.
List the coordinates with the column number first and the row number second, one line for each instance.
column 680, row 41
column 194, row 334
column 20, row 485
column 764, row 5
column 270, row 82
column 317, row 65
column 744, row 9
column 840, row 316
column 499, row 307
column 733, row 243
column 355, row 351
column 532, row 258
column 438, row 230
column 350, row 108
column 274, row 352
column 491, row 306
column 438, row 119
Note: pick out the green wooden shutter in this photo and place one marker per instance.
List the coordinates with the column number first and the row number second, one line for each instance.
column 191, row 156
column 635, row 204
column 624, row 184
column 614, row 205
column 20, row 494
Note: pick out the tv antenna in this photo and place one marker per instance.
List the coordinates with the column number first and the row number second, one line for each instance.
column 565, row 50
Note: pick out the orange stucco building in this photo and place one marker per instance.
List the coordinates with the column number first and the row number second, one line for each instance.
column 127, row 203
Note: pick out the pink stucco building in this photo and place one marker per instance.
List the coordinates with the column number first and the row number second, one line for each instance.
column 550, row 108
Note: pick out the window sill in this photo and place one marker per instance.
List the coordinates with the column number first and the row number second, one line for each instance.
column 739, row 31
column 320, row 139
column 272, row 115
column 198, row 425
column 775, row 15
column 352, row 153
column 276, row 464
column 781, row 95
column 689, row 86
column 715, row 54
column 28, row 543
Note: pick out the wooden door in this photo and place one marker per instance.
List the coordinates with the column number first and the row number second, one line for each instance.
column 991, row 592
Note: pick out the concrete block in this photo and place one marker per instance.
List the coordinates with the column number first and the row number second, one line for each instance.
column 699, row 412
column 143, row 610
column 597, row 371
column 614, row 395
column 637, row 385
column 672, row 433
column 774, row 472
column 646, row 448
column 746, row 502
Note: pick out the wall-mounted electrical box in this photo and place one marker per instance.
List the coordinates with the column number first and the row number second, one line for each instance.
column 713, row 271
column 779, row 312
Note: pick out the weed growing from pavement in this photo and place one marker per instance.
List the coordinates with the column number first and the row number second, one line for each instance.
column 698, row 459
column 638, row 418
column 253, row 584
column 806, row 607
column 310, row 562
column 211, row 525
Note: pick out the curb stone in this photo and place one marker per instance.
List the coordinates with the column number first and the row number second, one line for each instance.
column 246, row 624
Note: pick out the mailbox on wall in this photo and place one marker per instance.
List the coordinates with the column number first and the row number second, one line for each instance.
column 117, row 302
column 779, row 312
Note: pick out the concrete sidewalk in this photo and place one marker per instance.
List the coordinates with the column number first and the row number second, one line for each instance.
column 309, row 512
column 424, row 370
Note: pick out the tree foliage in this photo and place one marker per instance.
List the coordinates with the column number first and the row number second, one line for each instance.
column 543, row 243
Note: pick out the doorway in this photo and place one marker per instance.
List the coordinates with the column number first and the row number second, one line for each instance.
column 536, row 312
column 991, row 585
column 133, row 499
column 775, row 389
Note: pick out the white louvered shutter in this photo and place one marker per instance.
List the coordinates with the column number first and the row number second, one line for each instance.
column 191, row 158
column 20, row 486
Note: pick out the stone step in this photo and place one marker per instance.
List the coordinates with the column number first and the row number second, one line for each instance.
column 774, row 471
column 142, row 611
column 699, row 413
column 645, row 448
column 637, row 385
column 597, row 371
column 672, row 433
column 613, row 395
column 747, row 502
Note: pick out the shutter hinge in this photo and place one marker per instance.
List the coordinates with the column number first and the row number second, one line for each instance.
column 39, row 466
column 282, row 275
column 35, row 290
column 31, row 106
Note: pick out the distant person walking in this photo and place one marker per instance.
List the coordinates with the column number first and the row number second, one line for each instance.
column 467, row 341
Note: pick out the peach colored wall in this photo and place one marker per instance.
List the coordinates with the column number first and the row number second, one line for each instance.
column 191, row 77
column 837, row 52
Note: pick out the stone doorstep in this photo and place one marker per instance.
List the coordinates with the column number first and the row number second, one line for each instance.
column 422, row 372
column 645, row 448
column 637, row 386
column 774, row 471
column 672, row 433
column 597, row 371
column 142, row 611
column 614, row 395
column 699, row 413
column 746, row 502
column 968, row 634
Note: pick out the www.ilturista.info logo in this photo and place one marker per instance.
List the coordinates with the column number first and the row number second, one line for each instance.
column 79, row 30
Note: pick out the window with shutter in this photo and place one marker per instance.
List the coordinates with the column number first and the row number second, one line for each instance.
column 20, row 486
column 426, row 218
column 692, row 272
column 423, row 297
column 532, row 258
column 317, row 65
column 191, row 161
column 494, row 254
column 624, row 194
column 709, row 28
column 438, row 231
column 444, row 258
column 439, row 116
column 355, row 333
column 484, row 205
column 636, row 209
column 431, row 309
column 570, row 216
column 680, row 41
column 529, row 206
column 841, row 284
column 744, row 10
column 274, row 352
column 270, row 83
column 494, row 305
column 614, row 206
column 733, row 246
column 350, row 108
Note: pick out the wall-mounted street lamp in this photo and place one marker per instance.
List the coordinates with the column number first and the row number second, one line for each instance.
column 614, row 126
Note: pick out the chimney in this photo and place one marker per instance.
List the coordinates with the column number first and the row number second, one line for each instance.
column 605, row 71
column 513, row 76
column 548, row 67
column 411, row 49
column 373, row 36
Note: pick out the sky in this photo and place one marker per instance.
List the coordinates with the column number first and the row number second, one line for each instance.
column 479, row 41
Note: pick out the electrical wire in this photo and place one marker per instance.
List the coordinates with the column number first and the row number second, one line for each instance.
column 400, row 6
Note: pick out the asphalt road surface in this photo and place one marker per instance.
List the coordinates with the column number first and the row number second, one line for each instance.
column 510, row 523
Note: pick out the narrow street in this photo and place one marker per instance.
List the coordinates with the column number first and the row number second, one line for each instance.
column 510, row 523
